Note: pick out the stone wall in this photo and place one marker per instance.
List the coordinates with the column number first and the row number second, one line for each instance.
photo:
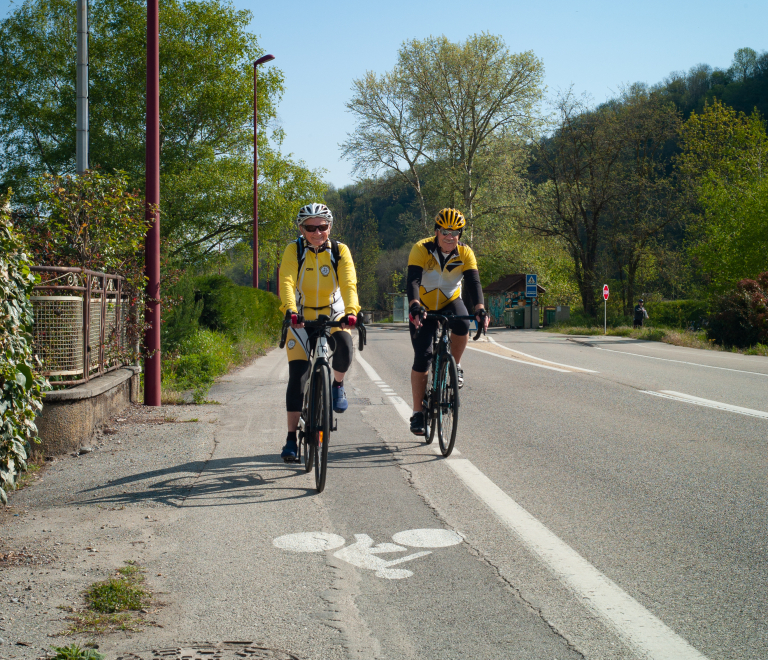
column 70, row 416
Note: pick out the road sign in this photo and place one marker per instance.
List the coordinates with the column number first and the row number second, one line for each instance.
column 530, row 286
column 605, row 291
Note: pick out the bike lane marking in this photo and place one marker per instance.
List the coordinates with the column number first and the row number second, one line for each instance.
column 650, row 637
column 364, row 554
column 707, row 403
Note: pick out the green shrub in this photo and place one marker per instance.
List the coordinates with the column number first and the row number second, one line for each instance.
column 740, row 317
column 181, row 321
column 237, row 310
column 20, row 385
column 677, row 313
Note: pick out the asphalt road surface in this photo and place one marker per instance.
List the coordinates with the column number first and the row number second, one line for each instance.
column 606, row 500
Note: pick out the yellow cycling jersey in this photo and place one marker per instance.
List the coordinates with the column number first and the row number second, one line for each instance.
column 315, row 286
column 441, row 276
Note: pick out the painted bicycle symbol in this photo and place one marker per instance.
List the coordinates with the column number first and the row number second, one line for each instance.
column 364, row 554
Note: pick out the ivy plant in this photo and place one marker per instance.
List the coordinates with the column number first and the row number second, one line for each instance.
column 21, row 385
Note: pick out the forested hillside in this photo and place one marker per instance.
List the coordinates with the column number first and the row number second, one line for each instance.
column 660, row 192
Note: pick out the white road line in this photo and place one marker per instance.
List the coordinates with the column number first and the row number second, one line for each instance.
column 511, row 359
column 403, row 409
column 533, row 357
column 695, row 364
column 707, row 403
column 644, row 632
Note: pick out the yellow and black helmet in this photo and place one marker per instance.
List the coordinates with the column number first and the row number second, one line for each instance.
column 450, row 219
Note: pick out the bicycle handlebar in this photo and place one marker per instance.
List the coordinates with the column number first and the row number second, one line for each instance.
column 325, row 322
column 444, row 318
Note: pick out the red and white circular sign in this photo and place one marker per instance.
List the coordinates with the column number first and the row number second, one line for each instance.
column 605, row 291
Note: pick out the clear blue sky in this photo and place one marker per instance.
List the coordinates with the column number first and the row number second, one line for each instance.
column 596, row 46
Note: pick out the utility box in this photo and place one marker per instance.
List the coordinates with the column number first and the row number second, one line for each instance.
column 556, row 314
column 399, row 309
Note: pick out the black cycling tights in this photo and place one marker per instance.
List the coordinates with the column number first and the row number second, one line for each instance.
column 298, row 370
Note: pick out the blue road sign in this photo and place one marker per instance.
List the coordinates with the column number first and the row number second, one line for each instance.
column 530, row 286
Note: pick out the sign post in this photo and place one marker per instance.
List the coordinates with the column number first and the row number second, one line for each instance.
column 531, row 288
column 605, row 317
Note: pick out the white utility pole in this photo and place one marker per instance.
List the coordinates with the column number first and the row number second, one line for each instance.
column 82, row 86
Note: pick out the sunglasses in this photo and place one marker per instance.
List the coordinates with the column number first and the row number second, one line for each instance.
column 311, row 229
column 450, row 232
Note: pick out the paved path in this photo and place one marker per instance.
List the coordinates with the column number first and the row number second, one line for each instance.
column 592, row 510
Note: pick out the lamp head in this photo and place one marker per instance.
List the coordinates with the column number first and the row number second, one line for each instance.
column 262, row 60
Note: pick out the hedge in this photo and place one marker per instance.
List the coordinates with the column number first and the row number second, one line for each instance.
column 20, row 384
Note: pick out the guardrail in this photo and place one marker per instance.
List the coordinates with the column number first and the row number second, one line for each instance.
column 80, row 323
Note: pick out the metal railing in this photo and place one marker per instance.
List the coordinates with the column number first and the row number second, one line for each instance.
column 80, row 323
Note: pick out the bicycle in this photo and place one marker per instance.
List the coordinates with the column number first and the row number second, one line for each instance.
column 441, row 399
column 316, row 421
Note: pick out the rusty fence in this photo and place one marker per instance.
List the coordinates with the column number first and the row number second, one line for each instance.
column 80, row 323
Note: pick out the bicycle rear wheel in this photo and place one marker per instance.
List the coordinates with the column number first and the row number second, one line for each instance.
column 321, row 423
column 448, row 405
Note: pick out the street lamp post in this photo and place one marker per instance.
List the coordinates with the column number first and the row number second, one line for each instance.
column 261, row 60
column 152, row 194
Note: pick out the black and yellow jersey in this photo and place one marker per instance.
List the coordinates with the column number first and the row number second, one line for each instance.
column 321, row 283
column 435, row 278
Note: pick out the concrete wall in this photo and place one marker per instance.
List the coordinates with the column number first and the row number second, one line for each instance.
column 70, row 416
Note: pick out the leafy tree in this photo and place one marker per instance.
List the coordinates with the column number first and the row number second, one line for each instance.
column 580, row 165
column 206, row 112
column 447, row 107
column 723, row 166
column 389, row 136
column 644, row 204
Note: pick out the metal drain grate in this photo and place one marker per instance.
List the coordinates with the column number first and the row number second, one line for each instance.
column 208, row 651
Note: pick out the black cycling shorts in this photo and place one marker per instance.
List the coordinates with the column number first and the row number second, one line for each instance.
column 298, row 370
column 422, row 338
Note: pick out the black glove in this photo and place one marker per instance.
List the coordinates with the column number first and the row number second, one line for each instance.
column 415, row 311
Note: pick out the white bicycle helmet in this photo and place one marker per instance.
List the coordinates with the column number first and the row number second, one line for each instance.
column 314, row 210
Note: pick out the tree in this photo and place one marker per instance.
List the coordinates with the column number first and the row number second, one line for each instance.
column 579, row 165
column 470, row 95
column 206, row 111
column 389, row 135
column 644, row 202
column 448, row 107
column 723, row 167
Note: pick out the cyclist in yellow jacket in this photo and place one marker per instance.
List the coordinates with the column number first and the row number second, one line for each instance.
column 436, row 267
column 317, row 276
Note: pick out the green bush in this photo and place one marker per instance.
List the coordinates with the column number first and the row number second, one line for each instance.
column 740, row 317
column 237, row 310
column 181, row 318
column 677, row 313
column 20, row 385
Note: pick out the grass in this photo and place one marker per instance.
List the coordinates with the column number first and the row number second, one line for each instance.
column 114, row 604
column 687, row 338
column 202, row 358
column 74, row 652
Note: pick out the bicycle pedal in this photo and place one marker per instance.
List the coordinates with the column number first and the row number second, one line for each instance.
column 335, row 425
column 295, row 459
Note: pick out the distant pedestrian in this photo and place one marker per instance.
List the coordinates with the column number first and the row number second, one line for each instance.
column 640, row 314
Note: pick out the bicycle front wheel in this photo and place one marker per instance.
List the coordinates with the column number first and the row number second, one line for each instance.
column 430, row 416
column 321, row 423
column 309, row 454
column 448, row 405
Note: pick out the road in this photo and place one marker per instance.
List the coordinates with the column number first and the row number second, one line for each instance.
column 593, row 509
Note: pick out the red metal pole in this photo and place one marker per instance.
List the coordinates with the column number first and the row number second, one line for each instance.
column 152, row 192
column 261, row 60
